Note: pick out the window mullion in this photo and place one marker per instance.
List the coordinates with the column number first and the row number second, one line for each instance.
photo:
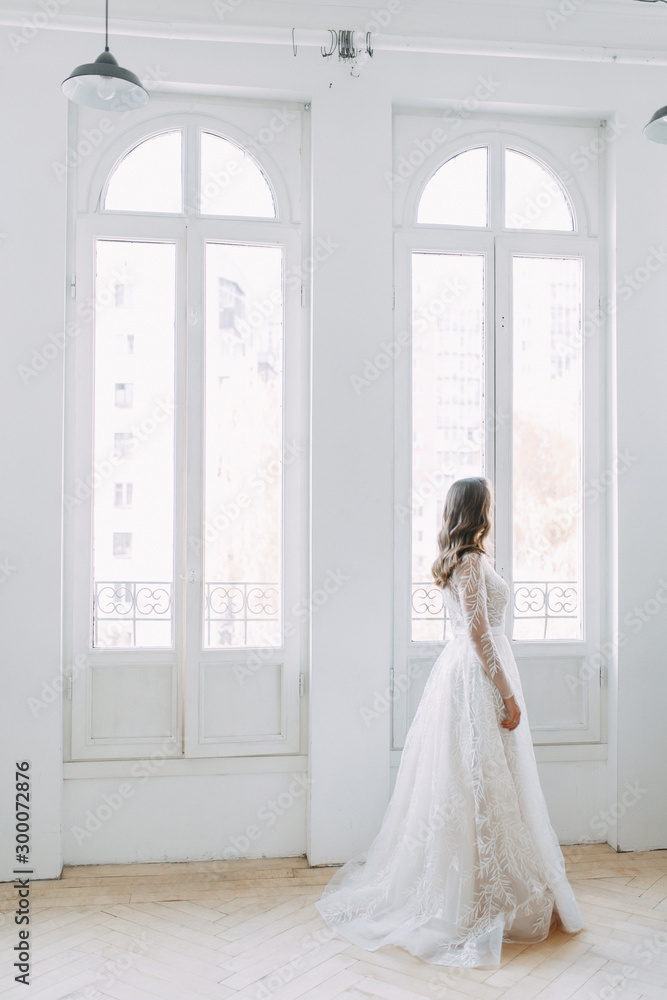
column 496, row 184
column 181, row 455
column 502, row 430
column 193, row 470
column 191, row 170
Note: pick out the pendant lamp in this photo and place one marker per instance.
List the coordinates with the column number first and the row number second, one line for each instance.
column 104, row 84
column 656, row 130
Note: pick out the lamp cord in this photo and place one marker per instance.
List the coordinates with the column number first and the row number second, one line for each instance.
column 106, row 27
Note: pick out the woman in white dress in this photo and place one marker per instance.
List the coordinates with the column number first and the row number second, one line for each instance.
column 466, row 856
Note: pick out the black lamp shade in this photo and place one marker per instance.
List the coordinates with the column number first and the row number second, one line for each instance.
column 105, row 85
column 656, row 130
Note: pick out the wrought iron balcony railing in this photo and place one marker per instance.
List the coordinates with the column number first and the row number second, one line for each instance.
column 546, row 602
column 541, row 601
column 230, row 610
column 124, row 606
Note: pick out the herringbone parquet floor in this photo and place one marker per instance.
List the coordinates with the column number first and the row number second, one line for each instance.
column 248, row 930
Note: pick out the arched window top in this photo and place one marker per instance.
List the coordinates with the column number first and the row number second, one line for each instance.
column 531, row 196
column 149, row 177
column 457, row 194
column 231, row 181
column 534, row 197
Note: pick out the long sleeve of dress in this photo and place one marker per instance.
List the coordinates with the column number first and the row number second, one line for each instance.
column 471, row 586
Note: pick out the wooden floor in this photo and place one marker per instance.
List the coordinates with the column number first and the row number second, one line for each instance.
column 248, row 930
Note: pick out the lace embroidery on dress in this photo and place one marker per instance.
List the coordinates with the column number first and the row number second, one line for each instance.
column 475, row 607
column 466, row 856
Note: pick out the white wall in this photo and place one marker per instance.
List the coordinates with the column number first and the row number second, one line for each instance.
column 151, row 816
column 352, row 506
column 32, row 262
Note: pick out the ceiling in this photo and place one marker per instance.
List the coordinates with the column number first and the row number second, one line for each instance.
column 624, row 23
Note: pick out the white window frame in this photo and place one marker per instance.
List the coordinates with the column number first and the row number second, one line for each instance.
column 413, row 660
column 181, row 667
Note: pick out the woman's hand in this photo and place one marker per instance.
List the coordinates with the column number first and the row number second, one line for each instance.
column 514, row 713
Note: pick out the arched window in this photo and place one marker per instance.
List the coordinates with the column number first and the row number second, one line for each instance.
column 534, row 197
column 458, row 192
column 231, row 182
column 497, row 281
column 184, row 254
column 149, row 177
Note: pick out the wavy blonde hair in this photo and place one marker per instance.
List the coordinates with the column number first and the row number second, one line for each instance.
column 466, row 524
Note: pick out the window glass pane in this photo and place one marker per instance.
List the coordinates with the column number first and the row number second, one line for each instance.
column 133, row 445
column 457, row 193
column 447, row 408
column 534, row 197
column 547, row 432
column 243, row 445
column 148, row 179
column 231, row 181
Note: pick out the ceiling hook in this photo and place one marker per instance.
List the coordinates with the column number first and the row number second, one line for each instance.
column 334, row 40
column 346, row 49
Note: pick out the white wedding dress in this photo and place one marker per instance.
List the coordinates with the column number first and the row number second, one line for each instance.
column 466, row 856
